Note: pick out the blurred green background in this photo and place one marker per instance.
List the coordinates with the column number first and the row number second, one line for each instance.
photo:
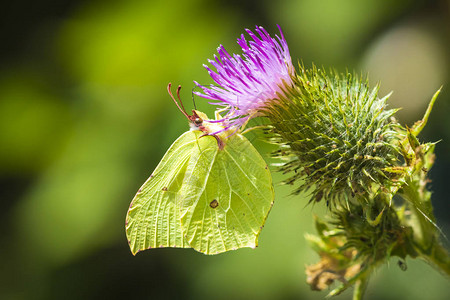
column 85, row 118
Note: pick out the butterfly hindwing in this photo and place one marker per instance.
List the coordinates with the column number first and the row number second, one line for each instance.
column 153, row 219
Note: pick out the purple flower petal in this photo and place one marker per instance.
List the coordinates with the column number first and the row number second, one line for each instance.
column 247, row 82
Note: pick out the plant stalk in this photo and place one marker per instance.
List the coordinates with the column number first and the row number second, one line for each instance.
column 360, row 288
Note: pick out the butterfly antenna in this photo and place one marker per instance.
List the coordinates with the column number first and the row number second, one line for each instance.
column 193, row 100
column 179, row 99
column 181, row 108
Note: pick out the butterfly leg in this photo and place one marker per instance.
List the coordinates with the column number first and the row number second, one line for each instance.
column 218, row 112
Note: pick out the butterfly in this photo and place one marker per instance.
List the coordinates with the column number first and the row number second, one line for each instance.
column 210, row 192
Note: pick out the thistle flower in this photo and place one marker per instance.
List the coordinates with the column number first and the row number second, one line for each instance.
column 247, row 82
column 338, row 140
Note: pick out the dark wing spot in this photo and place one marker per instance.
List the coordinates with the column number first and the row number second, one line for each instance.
column 164, row 189
column 214, row 203
column 402, row 265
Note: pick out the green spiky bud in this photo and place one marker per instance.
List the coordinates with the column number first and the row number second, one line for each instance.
column 351, row 250
column 336, row 134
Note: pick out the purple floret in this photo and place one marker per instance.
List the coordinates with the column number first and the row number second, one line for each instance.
column 245, row 83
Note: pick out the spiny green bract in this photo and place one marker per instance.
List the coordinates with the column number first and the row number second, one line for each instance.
column 357, row 244
column 376, row 236
column 336, row 134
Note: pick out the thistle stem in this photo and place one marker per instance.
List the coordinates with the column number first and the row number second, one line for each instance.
column 360, row 288
column 426, row 238
column 439, row 257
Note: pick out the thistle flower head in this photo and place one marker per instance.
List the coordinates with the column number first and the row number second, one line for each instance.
column 337, row 137
column 246, row 82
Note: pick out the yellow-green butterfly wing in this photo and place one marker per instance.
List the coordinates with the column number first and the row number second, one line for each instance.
column 211, row 193
column 226, row 195
column 153, row 219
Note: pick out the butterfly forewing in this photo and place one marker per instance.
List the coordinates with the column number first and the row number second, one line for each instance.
column 226, row 195
column 153, row 219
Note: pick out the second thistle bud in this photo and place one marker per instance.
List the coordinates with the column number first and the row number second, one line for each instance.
column 336, row 135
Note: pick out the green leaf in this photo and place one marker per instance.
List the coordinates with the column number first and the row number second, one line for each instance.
column 419, row 125
column 203, row 196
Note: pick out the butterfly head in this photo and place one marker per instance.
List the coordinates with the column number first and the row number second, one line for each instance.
column 200, row 121
column 197, row 119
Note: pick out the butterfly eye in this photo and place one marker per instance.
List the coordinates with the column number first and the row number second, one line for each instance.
column 198, row 121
